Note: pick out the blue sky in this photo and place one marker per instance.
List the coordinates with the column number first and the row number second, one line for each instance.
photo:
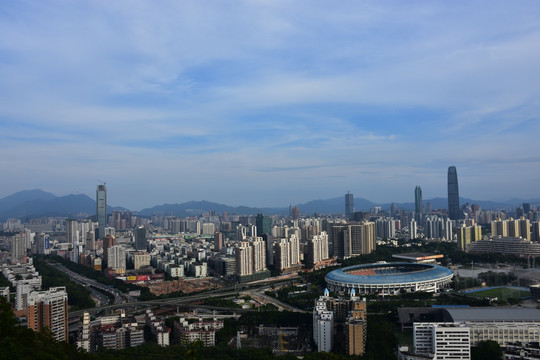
column 269, row 103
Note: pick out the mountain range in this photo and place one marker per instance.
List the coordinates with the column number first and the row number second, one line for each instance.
column 38, row 203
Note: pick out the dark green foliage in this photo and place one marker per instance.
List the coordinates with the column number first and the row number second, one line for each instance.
column 495, row 279
column 381, row 341
column 303, row 300
column 17, row 342
column 220, row 302
column 486, row 350
column 78, row 295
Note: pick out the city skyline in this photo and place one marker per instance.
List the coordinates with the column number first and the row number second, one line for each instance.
column 265, row 104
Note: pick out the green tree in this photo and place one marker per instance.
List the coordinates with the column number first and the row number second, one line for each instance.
column 486, row 350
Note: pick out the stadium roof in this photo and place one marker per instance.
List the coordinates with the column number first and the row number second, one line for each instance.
column 406, row 273
column 493, row 314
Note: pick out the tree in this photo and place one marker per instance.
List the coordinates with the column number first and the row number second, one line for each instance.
column 486, row 350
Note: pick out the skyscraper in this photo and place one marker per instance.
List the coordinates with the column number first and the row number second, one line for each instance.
column 349, row 205
column 453, row 194
column 140, row 238
column 418, row 208
column 72, row 235
column 264, row 224
column 101, row 209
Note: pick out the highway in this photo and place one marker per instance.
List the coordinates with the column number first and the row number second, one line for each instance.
column 250, row 288
column 91, row 284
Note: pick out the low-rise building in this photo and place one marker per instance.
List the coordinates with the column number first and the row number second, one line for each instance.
column 205, row 331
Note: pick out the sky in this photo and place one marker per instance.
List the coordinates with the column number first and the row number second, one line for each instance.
column 269, row 103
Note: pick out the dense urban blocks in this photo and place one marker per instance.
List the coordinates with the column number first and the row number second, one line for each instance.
column 389, row 278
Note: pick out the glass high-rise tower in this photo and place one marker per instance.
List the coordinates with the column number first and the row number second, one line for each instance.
column 101, row 209
column 349, row 205
column 453, row 194
column 418, row 208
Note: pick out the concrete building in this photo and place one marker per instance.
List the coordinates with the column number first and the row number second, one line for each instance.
column 116, row 257
column 205, row 331
column 140, row 238
column 352, row 239
column 462, row 328
column 506, row 246
column 468, row 234
column 251, row 260
column 442, row 341
column 218, row 241
column 225, row 266
column 208, row 229
column 413, row 229
column 348, row 314
column 244, row 259
column 83, row 341
column 101, row 209
column 158, row 328
column 317, row 249
column 141, row 259
column 287, row 253
column 49, row 309
column 323, row 324
column 18, row 248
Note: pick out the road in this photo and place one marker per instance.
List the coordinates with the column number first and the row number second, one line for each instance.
column 260, row 296
column 92, row 285
column 222, row 292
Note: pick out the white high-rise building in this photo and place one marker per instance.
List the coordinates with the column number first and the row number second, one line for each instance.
column 317, row 248
column 18, row 248
column 116, row 257
column 323, row 324
column 413, row 229
column 287, row 252
column 259, row 254
column 250, row 256
column 84, row 337
column 72, row 236
column 208, row 228
column 244, row 259
column 443, row 341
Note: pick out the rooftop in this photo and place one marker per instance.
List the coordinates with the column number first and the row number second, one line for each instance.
column 493, row 314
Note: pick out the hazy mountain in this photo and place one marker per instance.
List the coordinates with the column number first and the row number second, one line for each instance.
column 194, row 208
column 23, row 196
column 334, row 206
column 37, row 203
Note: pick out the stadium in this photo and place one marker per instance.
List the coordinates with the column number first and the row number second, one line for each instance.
column 389, row 278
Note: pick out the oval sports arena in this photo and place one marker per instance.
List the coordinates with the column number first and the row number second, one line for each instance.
column 389, row 278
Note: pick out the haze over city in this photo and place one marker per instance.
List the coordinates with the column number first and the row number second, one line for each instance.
column 269, row 103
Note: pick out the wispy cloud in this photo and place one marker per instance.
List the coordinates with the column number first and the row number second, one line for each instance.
column 188, row 100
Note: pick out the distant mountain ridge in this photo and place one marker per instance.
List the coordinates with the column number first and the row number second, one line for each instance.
column 38, row 203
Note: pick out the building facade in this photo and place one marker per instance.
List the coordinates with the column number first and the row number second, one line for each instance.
column 101, row 209
column 49, row 309
column 454, row 212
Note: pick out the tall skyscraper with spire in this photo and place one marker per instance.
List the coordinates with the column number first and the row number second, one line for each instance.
column 418, row 207
column 101, row 209
column 453, row 194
